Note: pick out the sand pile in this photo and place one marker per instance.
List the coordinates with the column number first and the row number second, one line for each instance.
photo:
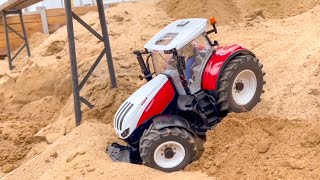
column 289, row 53
column 40, row 86
column 34, row 41
column 224, row 11
column 81, row 154
column 247, row 147
column 280, row 138
column 277, row 139
column 232, row 11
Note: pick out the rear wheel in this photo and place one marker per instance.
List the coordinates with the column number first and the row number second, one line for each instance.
column 240, row 85
column 168, row 149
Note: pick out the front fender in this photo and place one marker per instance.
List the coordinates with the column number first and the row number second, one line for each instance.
column 167, row 121
column 159, row 122
column 215, row 65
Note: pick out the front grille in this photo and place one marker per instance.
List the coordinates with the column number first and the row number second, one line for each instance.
column 121, row 114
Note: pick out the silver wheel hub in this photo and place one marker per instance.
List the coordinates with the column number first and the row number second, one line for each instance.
column 244, row 87
column 169, row 154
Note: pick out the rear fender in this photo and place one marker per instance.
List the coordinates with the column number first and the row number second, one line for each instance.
column 215, row 65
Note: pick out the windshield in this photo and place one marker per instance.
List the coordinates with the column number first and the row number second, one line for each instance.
column 195, row 54
column 162, row 62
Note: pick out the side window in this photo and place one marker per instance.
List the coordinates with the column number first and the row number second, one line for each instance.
column 195, row 53
column 189, row 53
column 202, row 46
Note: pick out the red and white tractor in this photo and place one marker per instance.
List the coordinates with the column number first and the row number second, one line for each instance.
column 192, row 84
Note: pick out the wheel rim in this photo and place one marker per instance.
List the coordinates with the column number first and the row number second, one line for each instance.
column 244, row 87
column 169, row 154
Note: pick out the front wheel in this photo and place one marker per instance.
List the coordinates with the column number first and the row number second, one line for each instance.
column 168, row 149
column 240, row 85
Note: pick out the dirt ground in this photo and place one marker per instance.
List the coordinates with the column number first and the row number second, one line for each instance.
column 278, row 139
column 235, row 11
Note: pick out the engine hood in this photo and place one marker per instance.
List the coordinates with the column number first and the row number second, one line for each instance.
column 129, row 113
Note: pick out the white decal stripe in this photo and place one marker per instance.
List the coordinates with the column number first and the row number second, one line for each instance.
column 120, row 114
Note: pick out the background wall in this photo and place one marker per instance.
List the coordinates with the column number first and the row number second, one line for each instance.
column 50, row 4
column 55, row 19
column 32, row 23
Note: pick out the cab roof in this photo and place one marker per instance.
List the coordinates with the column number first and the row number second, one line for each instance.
column 177, row 34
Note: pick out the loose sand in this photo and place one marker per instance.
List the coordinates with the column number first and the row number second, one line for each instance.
column 278, row 139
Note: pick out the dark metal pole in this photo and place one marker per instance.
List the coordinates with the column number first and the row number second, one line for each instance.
column 24, row 33
column 5, row 25
column 73, row 62
column 104, row 31
column 88, row 27
column 21, row 48
column 18, row 34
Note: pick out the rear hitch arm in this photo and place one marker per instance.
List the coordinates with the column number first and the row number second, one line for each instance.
column 145, row 70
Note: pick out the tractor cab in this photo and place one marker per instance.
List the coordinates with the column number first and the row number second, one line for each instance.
column 194, row 56
column 181, row 51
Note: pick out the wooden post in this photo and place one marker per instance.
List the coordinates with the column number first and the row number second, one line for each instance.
column 44, row 21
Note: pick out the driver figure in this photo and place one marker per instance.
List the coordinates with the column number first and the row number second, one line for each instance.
column 190, row 52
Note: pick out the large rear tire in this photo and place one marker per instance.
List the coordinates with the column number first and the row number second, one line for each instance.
column 240, row 85
column 168, row 149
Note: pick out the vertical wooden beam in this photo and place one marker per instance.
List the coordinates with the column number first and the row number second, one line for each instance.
column 44, row 20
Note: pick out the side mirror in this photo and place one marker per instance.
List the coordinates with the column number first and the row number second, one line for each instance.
column 181, row 64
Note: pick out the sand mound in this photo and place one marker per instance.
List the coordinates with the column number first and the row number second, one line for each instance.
column 289, row 53
column 231, row 11
column 54, row 48
column 40, row 86
column 224, row 11
column 280, row 137
column 81, row 155
column 247, row 147
column 277, row 139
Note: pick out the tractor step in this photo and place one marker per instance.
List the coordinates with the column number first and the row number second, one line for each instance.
column 208, row 112
column 214, row 120
column 201, row 95
column 206, row 105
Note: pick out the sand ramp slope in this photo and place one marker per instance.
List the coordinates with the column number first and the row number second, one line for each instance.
column 81, row 155
column 277, row 139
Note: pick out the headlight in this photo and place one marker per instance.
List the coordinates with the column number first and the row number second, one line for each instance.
column 125, row 133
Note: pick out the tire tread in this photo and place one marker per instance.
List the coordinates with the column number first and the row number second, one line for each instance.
column 227, row 73
column 151, row 135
